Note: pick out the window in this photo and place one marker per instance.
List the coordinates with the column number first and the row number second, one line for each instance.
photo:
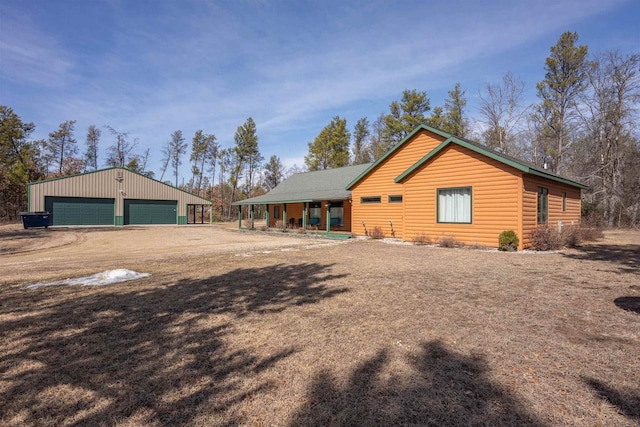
column 395, row 199
column 370, row 199
column 315, row 213
column 276, row 212
column 543, row 205
column 564, row 202
column 454, row 205
column 337, row 213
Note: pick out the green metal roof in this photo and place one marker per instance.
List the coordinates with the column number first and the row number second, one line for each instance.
column 474, row 146
column 314, row 186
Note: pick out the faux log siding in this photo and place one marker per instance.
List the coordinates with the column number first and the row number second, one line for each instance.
column 495, row 201
column 381, row 183
column 103, row 184
column 530, row 205
column 294, row 210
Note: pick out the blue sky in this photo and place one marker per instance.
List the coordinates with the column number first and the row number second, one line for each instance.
column 151, row 67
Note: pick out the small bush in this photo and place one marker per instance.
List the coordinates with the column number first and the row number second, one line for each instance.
column 449, row 242
column 508, row 241
column 591, row 234
column 545, row 238
column 422, row 239
column 279, row 224
column 301, row 230
column 247, row 224
column 263, row 228
column 376, row 233
column 571, row 236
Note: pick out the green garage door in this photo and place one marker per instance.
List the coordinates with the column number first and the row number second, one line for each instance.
column 150, row 211
column 79, row 211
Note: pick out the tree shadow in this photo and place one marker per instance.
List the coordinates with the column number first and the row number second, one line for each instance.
column 625, row 257
column 628, row 303
column 446, row 388
column 628, row 402
column 158, row 355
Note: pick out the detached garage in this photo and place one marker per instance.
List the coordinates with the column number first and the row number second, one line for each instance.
column 114, row 196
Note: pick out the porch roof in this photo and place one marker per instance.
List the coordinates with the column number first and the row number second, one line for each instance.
column 314, row 186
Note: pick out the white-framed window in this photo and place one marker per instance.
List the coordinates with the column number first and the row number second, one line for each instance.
column 454, row 205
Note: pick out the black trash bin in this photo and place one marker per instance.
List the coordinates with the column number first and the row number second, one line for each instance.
column 35, row 219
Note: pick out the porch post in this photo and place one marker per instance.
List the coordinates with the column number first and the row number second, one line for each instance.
column 211, row 213
column 304, row 216
column 252, row 216
column 328, row 217
column 266, row 215
column 239, row 216
column 284, row 215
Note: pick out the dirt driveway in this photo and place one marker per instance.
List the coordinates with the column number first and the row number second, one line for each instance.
column 55, row 253
column 236, row 328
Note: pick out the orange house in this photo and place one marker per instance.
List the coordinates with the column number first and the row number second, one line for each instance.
column 431, row 183
column 437, row 184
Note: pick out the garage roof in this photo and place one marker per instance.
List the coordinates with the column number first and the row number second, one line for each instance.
column 314, row 186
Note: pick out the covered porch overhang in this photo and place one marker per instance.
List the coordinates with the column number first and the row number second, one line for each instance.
column 331, row 216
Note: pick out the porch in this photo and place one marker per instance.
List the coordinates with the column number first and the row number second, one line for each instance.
column 328, row 216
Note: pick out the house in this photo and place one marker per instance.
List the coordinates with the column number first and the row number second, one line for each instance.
column 113, row 196
column 317, row 200
column 437, row 184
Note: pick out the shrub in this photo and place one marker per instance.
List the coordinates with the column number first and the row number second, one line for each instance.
column 449, row 242
column 591, row 234
column 508, row 241
column 263, row 228
column 571, row 236
column 376, row 233
column 545, row 238
column 421, row 239
column 247, row 224
column 280, row 224
column 301, row 230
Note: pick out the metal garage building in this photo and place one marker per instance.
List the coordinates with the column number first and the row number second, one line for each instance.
column 114, row 196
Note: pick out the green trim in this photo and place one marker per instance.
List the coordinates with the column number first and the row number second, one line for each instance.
column 557, row 178
column 267, row 215
column 243, row 203
column 28, row 198
column 182, row 220
column 510, row 161
column 128, row 170
column 438, row 204
column 119, row 220
column 391, row 151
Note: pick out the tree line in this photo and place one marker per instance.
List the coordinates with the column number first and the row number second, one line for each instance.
column 584, row 126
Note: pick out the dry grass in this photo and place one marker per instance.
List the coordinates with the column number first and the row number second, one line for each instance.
column 310, row 332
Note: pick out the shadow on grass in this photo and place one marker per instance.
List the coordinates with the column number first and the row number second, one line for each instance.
column 628, row 303
column 446, row 388
column 160, row 355
column 626, row 257
column 627, row 402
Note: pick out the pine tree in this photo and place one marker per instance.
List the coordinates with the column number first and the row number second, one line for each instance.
column 361, row 134
column 330, row 149
column 565, row 79
column 405, row 116
column 91, row 154
column 273, row 172
column 177, row 147
column 61, row 144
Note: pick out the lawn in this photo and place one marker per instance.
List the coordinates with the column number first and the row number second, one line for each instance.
column 236, row 328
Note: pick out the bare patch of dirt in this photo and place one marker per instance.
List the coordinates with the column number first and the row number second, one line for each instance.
column 278, row 330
